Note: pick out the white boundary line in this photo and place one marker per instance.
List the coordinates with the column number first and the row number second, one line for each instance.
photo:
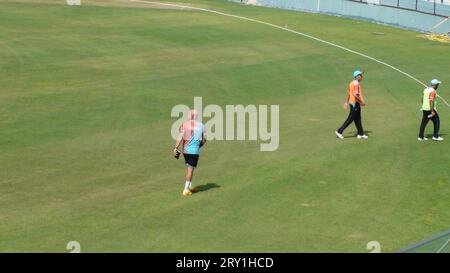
column 289, row 30
column 443, row 100
column 440, row 23
column 443, row 246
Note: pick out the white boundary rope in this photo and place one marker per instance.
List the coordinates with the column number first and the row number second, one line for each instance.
column 292, row 31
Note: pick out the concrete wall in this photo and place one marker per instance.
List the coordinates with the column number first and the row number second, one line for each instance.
column 387, row 15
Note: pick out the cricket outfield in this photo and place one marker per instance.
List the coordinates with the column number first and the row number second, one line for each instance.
column 86, row 94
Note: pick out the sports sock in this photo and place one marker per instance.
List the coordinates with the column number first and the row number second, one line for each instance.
column 190, row 185
column 186, row 185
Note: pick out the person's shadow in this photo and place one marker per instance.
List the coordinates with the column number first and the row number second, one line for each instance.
column 432, row 135
column 206, row 187
column 355, row 134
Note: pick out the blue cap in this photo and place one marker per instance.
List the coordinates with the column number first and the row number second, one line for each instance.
column 357, row 73
column 435, row 82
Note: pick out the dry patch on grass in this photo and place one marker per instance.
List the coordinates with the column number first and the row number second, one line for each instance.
column 444, row 38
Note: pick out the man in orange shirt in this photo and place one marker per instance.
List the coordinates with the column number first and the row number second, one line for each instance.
column 355, row 100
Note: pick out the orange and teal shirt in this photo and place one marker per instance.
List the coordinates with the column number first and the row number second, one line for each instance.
column 354, row 88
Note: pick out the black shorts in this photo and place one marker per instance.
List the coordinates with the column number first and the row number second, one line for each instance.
column 191, row 160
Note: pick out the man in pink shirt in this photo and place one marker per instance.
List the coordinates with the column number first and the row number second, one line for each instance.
column 193, row 136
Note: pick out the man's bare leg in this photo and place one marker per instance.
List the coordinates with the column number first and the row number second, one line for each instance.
column 189, row 174
column 188, row 184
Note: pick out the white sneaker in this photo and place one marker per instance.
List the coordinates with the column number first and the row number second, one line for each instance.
column 437, row 139
column 363, row 137
column 422, row 139
column 340, row 136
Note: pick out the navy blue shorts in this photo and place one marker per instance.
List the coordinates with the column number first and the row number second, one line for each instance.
column 191, row 160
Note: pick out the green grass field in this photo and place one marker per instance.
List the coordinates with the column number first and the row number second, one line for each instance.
column 85, row 146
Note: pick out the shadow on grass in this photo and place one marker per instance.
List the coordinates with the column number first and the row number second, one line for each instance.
column 206, row 187
column 355, row 134
column 432, row 135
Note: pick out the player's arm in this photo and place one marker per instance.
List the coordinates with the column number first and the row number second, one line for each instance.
column 346, row 101
column 359, row 99
column 433, row 113
column 178, row 142
column 203, row 142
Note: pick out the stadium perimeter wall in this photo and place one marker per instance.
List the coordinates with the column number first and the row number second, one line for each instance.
column 381, row 14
